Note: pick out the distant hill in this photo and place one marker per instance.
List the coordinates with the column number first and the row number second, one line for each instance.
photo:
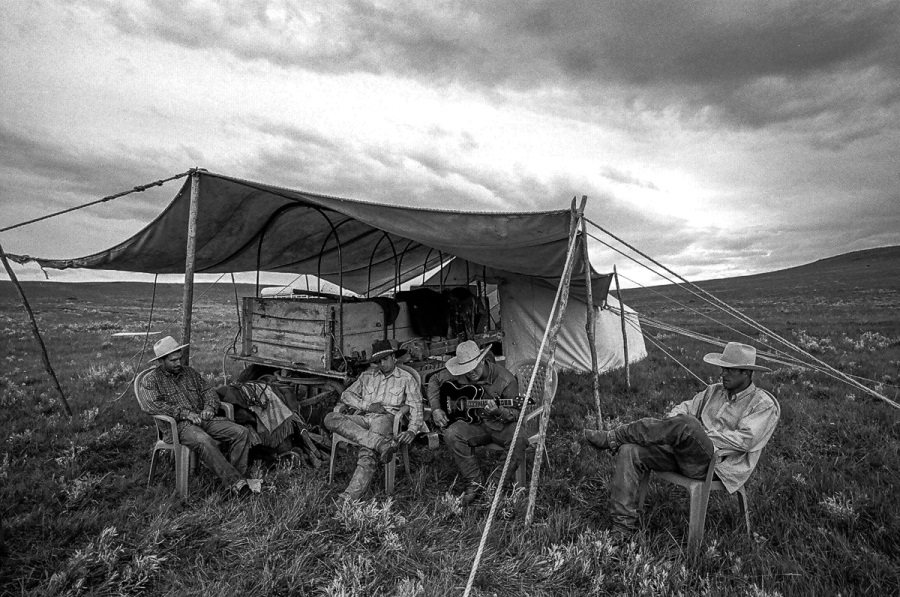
column 866, row 269
column 166, row 294
column 857, row 264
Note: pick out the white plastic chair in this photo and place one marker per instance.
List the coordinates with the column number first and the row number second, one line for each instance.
column 545, row 384
column 185, row 458
column 698, row 490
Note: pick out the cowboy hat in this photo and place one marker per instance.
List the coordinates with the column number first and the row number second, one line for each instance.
column 735, row 356
column 382, row 348
column 165, row 346
column 468, row 355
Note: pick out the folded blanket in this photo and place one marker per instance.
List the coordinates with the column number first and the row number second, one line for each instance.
column 274, row 420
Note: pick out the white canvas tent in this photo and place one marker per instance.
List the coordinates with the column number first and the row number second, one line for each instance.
column 523, row 304
column 527, row 305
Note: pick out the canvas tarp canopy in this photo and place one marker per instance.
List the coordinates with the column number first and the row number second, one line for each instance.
column 364, row 247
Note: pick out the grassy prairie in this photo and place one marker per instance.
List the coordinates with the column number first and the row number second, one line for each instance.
column 81, row 520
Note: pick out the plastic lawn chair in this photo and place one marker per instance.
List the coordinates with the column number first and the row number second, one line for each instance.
column 698, row 490
column 185, row 458
column 545, row 384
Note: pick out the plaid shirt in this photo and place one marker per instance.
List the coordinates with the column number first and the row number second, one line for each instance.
column 393, row 390
column 178, row 395
column 739, row 427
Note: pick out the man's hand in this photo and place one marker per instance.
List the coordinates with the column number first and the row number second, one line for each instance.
column 207, row 414
column 377, row 408
column 440, row 418
column 406, row 437
column 491, row 407
column 194, row 418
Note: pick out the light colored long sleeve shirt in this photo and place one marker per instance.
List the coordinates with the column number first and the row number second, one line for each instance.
column 739, row 427
column 393, row 390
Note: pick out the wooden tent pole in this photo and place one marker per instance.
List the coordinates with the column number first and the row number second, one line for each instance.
column 624, row 333
column 591, row 322
column 34, row 330
column 189, row 263
column 557, row 303
column 552, row 334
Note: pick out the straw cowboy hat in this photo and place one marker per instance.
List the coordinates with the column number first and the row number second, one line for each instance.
column 382, row 348
column 468, row 355
column 736, row 356
column 165, row 346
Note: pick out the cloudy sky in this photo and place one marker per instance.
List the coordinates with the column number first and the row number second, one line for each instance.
column 722, row 138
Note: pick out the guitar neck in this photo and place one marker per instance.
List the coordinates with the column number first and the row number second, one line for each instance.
column 485, row 402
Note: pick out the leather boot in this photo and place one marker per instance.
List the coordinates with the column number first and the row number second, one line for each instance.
column 386, row 450
column 470, row 494
column 597, row 438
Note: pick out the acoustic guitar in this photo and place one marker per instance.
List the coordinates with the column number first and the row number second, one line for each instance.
column 464, row 403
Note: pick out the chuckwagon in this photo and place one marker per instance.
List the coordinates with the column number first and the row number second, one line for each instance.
column 319, row 335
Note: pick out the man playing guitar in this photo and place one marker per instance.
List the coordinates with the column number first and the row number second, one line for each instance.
column 497, row 423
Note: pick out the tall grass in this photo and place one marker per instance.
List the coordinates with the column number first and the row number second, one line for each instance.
column 80, row 518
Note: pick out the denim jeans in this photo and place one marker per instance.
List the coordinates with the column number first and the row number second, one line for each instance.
column 204, row 439
column 677, row 444
column 461, row 437
column 368, row 430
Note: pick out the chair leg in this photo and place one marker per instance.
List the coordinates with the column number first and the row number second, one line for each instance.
column 404, row 450
column 334, row 447
column 154, row 462
column 521, row 473
column 699, row 502
column 642, row 490
column 390, row 470
column 744, row 507
column 182, row 470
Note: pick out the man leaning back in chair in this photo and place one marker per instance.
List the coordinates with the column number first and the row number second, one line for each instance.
column 733, row 419
column 179, row 391
column 378, row 394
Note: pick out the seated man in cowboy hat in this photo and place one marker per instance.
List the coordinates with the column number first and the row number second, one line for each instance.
column 734, row 417
column 378, row 393
column 179, row 391
column 497, row 423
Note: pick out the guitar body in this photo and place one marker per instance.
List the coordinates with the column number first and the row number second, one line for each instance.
column 466, row 403
column 455, row 401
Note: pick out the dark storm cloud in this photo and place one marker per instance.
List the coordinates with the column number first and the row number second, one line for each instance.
column 434, row 177
column 754, row 63
column 55, row 176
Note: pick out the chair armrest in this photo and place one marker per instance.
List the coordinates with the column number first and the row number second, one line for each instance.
column 537, row 411
column 229, row 410
column 711, row 470
column 172, row 424
column 398, row 418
